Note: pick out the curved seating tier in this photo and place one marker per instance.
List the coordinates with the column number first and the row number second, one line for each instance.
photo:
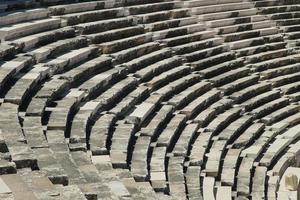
column 149, row 99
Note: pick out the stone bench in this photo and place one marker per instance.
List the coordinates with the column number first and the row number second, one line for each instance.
column 235, row 129
column 21, row 89
column 139, row 190
column 239, row 84
column 270, row 107
column 261, row 48
column 171, row 132
column 203, row 44
column 199, row 148
column 284, row 80
column 231, row 160
column 115, row 34
column 121, row 148
column 35, row 40
column 77, row 7
column 7, row 167
column 221, row 68
column 57, row 48
column 273, row 151
column 279, row 9
column 289, row 69
column 148, row 59
column 157, row 169
column 234, row 21
column 139, row 159
column 192, row 92
column 260, row 99
column 212, row 60
column 141, row 112
column 12, row 68
column 90, row 16
column 294, row 96
column 27, row 28
column 274, row 63
column 149, row 8
column 224, row 7
column 72, row 170
column 161, row 15
column 208, row 187
column 126, row 105
column 134, row 52
column 104, row 25
column 169, row 23
column 176, row 181
column 36, row 106
column 74, row 57
column 86, row 70
column 8, row 183
column 267, row 3
column 22, row 16
column 244, row 176
column 39, row 72
column 280, row 114
column 284, row 123
column 223, row 120
column 184, row 39
column 7, row 51
column 198, row 3
column 207, row 115
column 231, row 37
column 228, row 14
column 212, row 165
column 125, row 43
column 59, row 117
column 51, row 89
column 102, row 80
column 249, row 135
column 177, row 31
column 260, row 144
column 177, row 86
column 230, row 76
column 200, row 103
column 167, row 76
column 157, row 122
column 245, row 27
column 290, row 88
column 202, row 54
column 244, row 46
column 223, row 192
column 101, row 130
column 182, row 145
column 258, row 185
column 99, row 104
column 157, row 68
column 192, row 183
column 267, row 55
column 247, row 93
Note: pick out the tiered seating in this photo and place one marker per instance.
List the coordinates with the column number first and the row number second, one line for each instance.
column 285, row 14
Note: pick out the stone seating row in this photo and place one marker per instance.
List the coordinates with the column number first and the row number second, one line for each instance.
column 140, row 158
column 30, row 80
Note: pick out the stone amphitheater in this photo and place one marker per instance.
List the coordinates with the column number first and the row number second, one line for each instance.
column 150, row 99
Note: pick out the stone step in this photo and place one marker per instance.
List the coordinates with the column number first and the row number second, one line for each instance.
column 235, row 21
column 90, row 16
column 27, row 28
column 22, row 16
column 198, row 3
column 223, row 8
column 228, row 14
